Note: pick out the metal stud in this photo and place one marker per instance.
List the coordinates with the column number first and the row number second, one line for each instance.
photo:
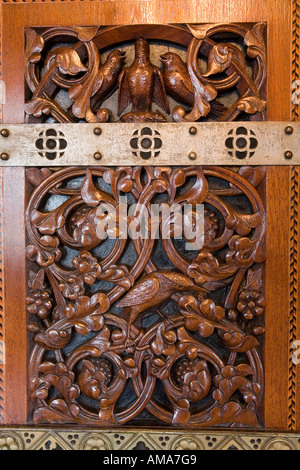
column 4, row 132
column 192, row 155
column 193, row 130
column 97, row 155
column 288, row 155
column 97, row 131
column 289, row 130
column 4, row 156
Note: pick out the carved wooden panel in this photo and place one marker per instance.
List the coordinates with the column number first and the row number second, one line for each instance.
column 146, row 333
column 143, row 330
column 159, row 73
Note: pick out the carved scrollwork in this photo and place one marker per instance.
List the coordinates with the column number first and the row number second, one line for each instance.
column 129, row 329
column 83, row 70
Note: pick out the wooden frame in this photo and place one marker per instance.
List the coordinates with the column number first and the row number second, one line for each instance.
column 282, row 383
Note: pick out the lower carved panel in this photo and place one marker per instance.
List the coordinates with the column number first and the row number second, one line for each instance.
column 127, row 327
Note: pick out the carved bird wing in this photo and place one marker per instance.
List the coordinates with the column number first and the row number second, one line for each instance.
column 124, row 98
column 159, row 95
column 187, row 88
column 141, row 292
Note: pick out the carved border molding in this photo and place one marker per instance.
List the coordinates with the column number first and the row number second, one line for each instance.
column 294, row 232
column 2, row 351
column 57, row 439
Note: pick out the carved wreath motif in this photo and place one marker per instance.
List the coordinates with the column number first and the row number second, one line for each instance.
column 197, row 360
column 236, row 64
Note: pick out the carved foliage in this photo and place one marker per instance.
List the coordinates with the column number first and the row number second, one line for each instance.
column 197, row 82
column 130, row 326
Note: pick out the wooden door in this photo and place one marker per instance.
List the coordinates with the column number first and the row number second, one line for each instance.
column 144, row 335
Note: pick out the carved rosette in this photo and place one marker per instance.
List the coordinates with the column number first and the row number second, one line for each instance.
column 129, row 330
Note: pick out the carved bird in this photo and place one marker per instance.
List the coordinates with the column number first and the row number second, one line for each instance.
column 178, row 83
column 141, row 83
column 155, row 289
column 107, row 77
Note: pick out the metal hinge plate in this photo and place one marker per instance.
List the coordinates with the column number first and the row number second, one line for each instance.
column 148, row 144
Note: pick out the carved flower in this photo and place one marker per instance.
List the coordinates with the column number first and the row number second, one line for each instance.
column 92, row 381
column 8, row 442
column 39, row 303
column 278, row 444
column 194, row 379
column 84, row 224
column 87, row 267
column 197, row 383
column 241, row 252
column 187, row 444
column 72, row 288
column 95, row 443
column 251, row 304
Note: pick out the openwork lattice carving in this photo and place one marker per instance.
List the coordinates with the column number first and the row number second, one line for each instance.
column 146, row 73
column 141, row 330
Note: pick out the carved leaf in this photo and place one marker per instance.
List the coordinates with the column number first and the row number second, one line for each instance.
column 119, row 275
column 34, row 46
column 239, row 343
column 231, row 413
column 48, row 223
column 252, row 105
column 36, row 176
column 57, row 412
column 243, row 223
column 219, row 59
column 200, row 31
column 67, row 60
column 165, row 342
column 254, row 39
column 36, row 280
column 206, row 268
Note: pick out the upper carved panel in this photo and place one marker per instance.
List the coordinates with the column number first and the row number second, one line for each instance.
column 146, row 73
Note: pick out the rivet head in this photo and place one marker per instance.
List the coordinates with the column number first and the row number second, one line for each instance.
column 288, row 155
column 289, row 130
column 4, row 132
column 97, row 156
column 97, row 131
column 193, row 130
column 192, row 155
column 4, row 156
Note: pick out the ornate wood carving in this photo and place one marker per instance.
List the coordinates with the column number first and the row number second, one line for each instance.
column 141, row 330
column 73, row 82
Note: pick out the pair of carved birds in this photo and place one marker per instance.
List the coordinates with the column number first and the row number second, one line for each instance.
column 142, row 83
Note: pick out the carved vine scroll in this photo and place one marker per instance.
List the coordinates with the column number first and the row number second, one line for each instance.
column 214, row 72
column 140, row 330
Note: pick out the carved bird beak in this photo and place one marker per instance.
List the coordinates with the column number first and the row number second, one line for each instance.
column 163, row 58
column 122, row 53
